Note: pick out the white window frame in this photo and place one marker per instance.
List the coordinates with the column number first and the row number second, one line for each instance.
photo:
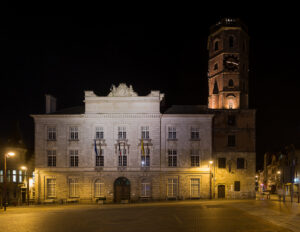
column 98, row 189
column 51, row 133
column 193, row 185
column 1, row 176
column 51, row 158
column 145, row 189
column 122, row 132
column 195, row 133
column 172, row 132
column 145, row 132
column 14, row 176
column 20, row 176
column 172, row 187
column 51, row 187
column 172, row 158
column 99, row 134
column 100, row 158
column 195, row 155
column 74, row 158
column 73, row 187
column 74, row 133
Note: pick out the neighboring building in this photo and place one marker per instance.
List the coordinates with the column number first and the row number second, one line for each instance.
column 234, row 122
column 16, row 178
column 121, row 147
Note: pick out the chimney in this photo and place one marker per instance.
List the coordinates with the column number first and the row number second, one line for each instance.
column 50, row 104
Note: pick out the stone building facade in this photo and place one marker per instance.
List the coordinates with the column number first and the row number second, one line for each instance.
column 121, row 147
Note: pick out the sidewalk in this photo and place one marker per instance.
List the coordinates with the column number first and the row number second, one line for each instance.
column 275, row 197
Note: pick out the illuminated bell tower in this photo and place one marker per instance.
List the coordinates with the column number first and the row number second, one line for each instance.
column 228, row 46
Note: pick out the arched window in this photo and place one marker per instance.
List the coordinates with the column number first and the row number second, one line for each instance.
column 99, row 188
column 216, row 45
column 231, row 40
column 216, row 66
column 230, row 83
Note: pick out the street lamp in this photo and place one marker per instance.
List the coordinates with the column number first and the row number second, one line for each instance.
column 7, row 155
column 27, row 182
column 210, row 176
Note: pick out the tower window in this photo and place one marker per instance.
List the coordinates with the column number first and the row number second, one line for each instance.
column 216, row 66
column 231, row 140
column 231, row 120
column 216, row 45
column 231, row 41
column 230, row 83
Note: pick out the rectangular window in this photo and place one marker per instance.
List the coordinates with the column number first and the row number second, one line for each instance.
column 20, row 176
column 240, row 163
column 74, row 160
column 171, row 132
column 231, row 140
column 145, row 190
column 51, row 158
column 51, row 187
column 172, row 187
column 1, row 176
column 74, row 134
column 195, row 158
column 8, row 176
column 195, row 187
column 51, row 133
column 100, row 158
column 172, row 158
column 99, row 133
column 99, row 189
column 123, row 158
column 237, row 185
column 121, row 132
column 73, row 187
column 14, row 175
column 145, row 132
column 145, row 158
column 231, row 120
column 195, row 133
column 221, row 162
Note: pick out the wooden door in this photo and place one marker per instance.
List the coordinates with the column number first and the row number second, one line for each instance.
column 122, row 189
column 221, row 191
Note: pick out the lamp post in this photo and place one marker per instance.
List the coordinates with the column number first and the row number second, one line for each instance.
column 7, row 155
column 210, row 176
column 27, row 183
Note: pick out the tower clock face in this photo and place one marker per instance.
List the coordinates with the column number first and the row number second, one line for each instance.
column 231, row 63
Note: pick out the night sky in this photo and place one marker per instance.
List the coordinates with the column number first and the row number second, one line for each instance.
column 67, row 54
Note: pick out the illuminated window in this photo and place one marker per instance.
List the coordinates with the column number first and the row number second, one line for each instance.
column 1, row 176
column 172, row 187
column 74, row 133
column 14, row 175
column 73, row 187
column 195, row 187
column 51, row 187
column 171, row 132
column 99, row 189
column 99, row 133
column 121, row 132
column 221, row 162
column 240, row 163
column 145, row 132
column 172, row 158
column 74, row 160
column 145, row 189
column 195, row 158
column 51, row 158
column 20, row 176
column 230, row 104
column 100, row 158
column 145, row 158
column 231, row 140
column 231, row 41
column 51, row 133
column 237, row 186
column 195, row 133
column 216, row 45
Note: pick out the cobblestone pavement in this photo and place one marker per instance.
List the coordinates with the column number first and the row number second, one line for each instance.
column 233, row 216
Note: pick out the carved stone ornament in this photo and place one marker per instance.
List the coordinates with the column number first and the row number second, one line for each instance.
column 122, row 91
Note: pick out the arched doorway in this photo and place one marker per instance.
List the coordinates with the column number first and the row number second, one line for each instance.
column 221, row 191
column 121, row 189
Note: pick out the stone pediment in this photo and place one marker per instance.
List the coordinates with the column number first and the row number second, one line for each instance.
column 122, row 91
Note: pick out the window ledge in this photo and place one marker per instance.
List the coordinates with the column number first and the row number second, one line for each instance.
column 51, row 140
column 172, row 139
column 195, row 139
column 73, row 140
